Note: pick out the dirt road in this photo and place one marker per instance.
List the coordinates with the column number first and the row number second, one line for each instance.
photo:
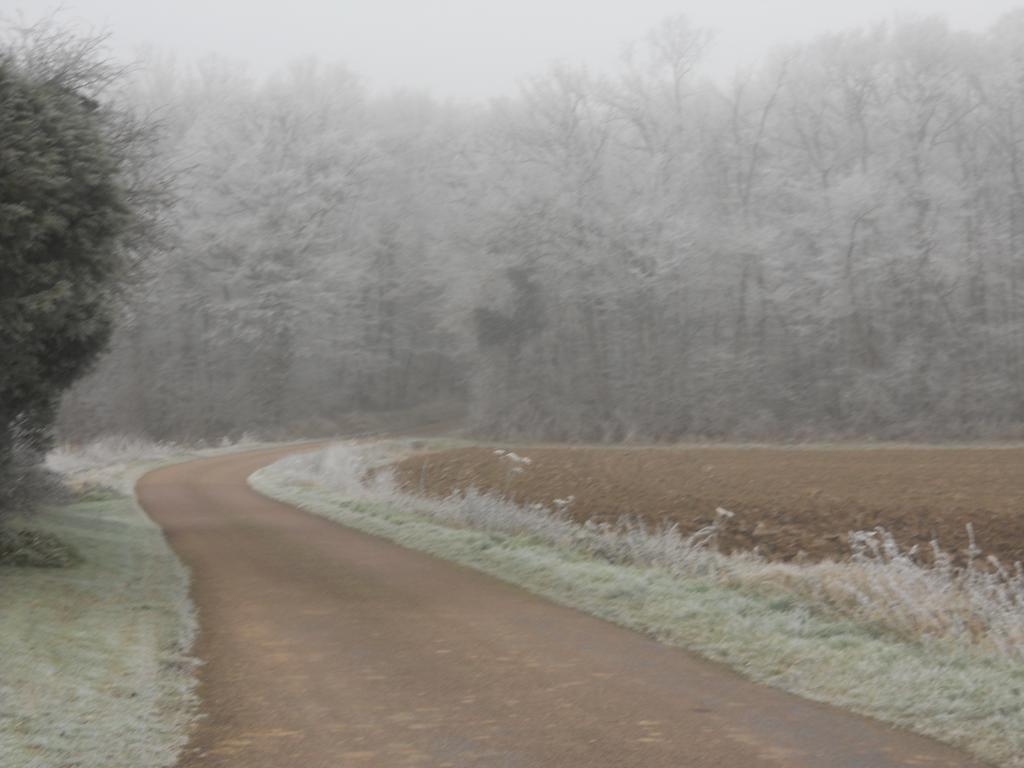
column 326, row 647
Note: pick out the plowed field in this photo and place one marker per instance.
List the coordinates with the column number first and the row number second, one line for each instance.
column 788, row 502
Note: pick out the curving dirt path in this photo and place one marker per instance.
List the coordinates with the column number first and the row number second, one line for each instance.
column 325, row 647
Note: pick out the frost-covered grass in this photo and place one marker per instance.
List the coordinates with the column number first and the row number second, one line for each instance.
column 108, row 451
column 111, row 461
column 95, row 669
column 931, row 648
column 94, row 665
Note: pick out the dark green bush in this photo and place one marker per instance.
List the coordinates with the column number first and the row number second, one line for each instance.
column 65, row 213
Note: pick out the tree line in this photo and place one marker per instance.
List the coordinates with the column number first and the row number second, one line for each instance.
column 828, row 245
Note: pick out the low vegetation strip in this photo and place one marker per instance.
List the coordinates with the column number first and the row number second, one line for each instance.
column 761, row 618
column 94, row 665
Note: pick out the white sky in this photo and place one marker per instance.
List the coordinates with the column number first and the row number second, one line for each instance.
column 473, row 48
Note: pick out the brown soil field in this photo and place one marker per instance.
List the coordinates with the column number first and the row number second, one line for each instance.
column 788, row 502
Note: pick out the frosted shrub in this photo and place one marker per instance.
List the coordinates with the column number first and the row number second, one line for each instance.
column 112, row 461
column 978, row 606
column 631, row 542
column 340, row 467
column 106, row 451
column 981, row 603
column 112, row 450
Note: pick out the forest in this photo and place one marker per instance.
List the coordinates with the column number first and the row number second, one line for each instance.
column 826, row 245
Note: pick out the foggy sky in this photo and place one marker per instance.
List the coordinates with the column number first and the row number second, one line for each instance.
column 474, row 48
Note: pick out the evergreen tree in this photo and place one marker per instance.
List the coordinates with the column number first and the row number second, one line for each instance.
column 65, row 211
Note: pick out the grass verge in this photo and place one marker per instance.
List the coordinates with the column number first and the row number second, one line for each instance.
column 94, row 665
column 970, row 699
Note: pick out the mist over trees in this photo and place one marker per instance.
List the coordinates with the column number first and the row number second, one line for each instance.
column 829, row 245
